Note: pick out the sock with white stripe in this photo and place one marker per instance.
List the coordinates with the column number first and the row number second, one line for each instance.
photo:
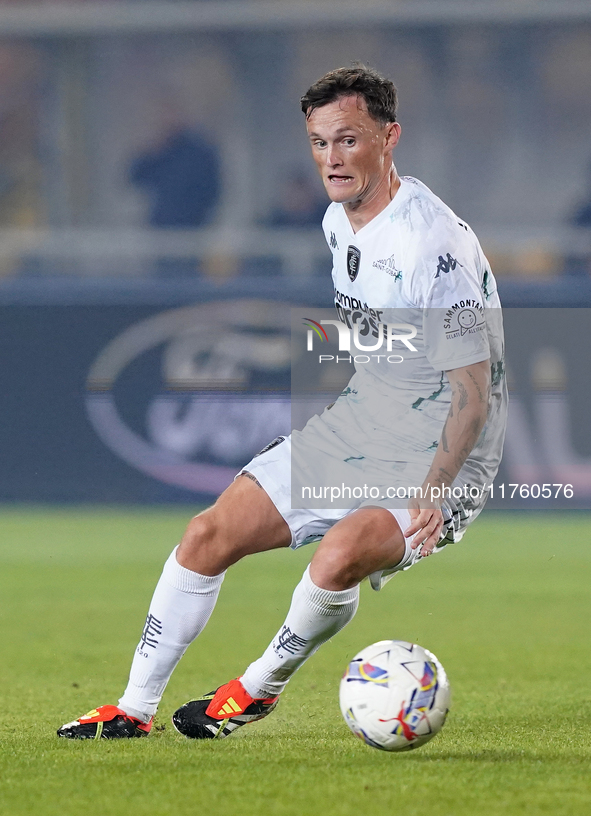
column 314, row 617
column 181, row 606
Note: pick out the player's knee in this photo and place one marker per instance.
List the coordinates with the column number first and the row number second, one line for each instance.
column 336, row 568
column 208, row 544
column 201, row 530
column 200, row 538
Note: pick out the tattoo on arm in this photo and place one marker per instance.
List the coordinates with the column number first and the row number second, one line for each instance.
column 476, row 386
column 251, row 477
column 463, row 396
column 445, row 476
column 444, row 444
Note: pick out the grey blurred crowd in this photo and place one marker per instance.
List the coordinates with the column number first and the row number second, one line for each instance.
column 189, row 132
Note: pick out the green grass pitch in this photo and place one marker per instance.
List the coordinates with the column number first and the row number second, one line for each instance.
column 507, row 612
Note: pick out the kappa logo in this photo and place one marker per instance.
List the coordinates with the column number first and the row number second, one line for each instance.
column 333, row 241
column 446, row 264
column 388, row 265
column 353, row 261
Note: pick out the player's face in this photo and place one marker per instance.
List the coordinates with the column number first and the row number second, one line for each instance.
column 352, row 151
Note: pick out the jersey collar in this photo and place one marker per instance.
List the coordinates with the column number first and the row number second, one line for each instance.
column 387, row 214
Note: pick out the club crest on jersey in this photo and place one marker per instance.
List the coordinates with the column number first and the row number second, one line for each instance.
column 353, row 261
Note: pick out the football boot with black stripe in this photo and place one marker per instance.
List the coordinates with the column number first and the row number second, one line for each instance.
column 105, row 722
column 217, row 714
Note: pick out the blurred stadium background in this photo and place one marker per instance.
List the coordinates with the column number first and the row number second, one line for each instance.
column 155, row 176
column 159, row 216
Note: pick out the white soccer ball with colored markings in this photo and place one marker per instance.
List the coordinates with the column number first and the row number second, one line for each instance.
column 395, row 695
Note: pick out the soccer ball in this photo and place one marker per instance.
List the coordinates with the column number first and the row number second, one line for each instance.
column 395, row 695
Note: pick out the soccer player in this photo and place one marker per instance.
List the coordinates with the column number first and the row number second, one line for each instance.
column 438, row 424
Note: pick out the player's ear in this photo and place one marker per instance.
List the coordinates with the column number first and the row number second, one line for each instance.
column 392, row 135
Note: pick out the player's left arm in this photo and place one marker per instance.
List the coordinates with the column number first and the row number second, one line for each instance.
column 467, row 414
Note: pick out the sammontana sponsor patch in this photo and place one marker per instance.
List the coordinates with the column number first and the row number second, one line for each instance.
column 464, row 317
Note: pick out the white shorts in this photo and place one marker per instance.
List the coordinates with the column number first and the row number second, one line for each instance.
column 272, row 470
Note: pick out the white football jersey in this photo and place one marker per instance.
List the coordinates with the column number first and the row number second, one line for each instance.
column 417, row 264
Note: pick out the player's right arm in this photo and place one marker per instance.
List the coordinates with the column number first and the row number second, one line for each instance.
column 446, row 285
column 465, row 420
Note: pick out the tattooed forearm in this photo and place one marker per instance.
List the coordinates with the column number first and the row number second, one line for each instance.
column 444, row 444
column 463, row 395
column 463, row 425
column 466, row 418
column 439, row 476
column 481, row 396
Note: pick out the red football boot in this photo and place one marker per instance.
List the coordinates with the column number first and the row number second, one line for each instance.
column 105, row 722
column 217, row 714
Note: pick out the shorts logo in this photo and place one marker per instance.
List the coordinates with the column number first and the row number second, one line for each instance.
column 353, row 261
column 464, row 317
column 277, row 441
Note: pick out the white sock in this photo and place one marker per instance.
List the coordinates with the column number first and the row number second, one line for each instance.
column 181, row 606
column 314, row 617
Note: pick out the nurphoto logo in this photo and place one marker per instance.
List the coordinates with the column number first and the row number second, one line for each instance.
column 392, row 332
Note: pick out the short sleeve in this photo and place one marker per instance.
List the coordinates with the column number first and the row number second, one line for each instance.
column 454, row 317
column 329, row 225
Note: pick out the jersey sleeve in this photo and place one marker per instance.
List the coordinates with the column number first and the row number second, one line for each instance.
column 329, row 226
column 450, row 294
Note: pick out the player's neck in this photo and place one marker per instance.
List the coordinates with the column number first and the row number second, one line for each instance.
column 363, row 211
